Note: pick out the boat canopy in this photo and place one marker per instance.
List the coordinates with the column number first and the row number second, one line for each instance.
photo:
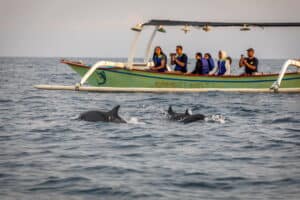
column 159, row 22
column 205, row 26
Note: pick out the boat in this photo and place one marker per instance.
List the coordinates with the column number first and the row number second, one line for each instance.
column 108, row 76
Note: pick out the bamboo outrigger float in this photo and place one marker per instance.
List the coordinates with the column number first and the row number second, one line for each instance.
column 106, row 76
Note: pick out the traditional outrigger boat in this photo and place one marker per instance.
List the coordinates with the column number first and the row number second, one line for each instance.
column 107, row 76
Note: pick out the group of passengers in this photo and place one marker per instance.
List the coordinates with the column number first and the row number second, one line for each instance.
column 204, row 64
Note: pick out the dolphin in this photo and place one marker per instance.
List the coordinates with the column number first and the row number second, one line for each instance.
column 177, row 116
column 193, row 118
column 102, row 116
column 184, row 117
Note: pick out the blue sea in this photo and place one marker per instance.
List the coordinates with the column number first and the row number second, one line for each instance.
column 248, row 148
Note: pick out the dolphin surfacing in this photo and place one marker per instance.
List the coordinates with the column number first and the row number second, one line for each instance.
column 184, row 117
column 177, row 116
column 102, row 116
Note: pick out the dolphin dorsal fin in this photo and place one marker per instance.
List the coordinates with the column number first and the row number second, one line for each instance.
column 115, row 111
column 170, row 110
column 187, row 112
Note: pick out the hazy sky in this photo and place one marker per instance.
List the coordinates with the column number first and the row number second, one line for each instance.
column 100, row 28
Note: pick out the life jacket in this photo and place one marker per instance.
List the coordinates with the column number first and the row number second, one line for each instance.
column 211, row 64
column 205, row 66
column 221, row 67
column 183, row 58
column 157, row 61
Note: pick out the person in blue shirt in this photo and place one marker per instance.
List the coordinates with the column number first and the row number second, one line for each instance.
column 159, row 60
column 180, row 60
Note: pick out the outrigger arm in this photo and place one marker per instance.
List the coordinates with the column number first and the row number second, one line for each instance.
column 98, row 65
column 275, row 86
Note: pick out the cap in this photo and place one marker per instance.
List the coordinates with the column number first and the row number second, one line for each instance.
column 250, row 49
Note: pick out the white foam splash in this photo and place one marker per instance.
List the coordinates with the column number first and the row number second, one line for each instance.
column 134, row 120
column 216, row 118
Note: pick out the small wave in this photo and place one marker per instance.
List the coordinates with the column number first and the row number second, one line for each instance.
column 126, row 146
column 4, row 175
column 281, row 120
column 56, row 181
column 5, row 101
column 231, row 178
column 280, row 182
column 111, row 169
column 99, row 191
column 203, row 184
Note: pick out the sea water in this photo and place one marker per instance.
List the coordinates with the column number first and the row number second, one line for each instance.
column 247, row 148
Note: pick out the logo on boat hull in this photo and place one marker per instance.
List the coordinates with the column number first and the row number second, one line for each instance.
column 101, row 77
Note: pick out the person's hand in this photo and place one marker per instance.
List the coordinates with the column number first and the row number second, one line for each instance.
column 245, row 62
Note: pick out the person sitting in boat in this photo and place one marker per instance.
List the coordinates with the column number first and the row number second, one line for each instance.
column 250, row 63
column 223, row 66
column 180, row 60
column 202, row 65
column 159, row 60
column 210, row 61
column 198, row 66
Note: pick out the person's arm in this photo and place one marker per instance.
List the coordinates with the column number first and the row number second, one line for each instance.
column 163, row 64
column 252, row 67
column 196, row 69
column 214, row 70
column 211, row 63
column 181, row 64
column 227, row 66
column 241, row 62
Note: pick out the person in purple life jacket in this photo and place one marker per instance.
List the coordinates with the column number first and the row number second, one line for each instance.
column 210, row 61
column 202, row 66
column 223, row 66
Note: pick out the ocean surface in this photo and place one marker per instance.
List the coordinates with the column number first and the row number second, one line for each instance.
column 248, row 148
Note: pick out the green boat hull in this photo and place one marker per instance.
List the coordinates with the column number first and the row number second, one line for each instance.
column 124, row 78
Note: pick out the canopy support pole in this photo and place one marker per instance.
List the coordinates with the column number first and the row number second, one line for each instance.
column 133, row 49
column 147, row 55
column 275, row 86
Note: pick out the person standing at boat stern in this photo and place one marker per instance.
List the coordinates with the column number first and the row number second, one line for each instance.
column 250, row 63
column 159, row 60
column 180, row 60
